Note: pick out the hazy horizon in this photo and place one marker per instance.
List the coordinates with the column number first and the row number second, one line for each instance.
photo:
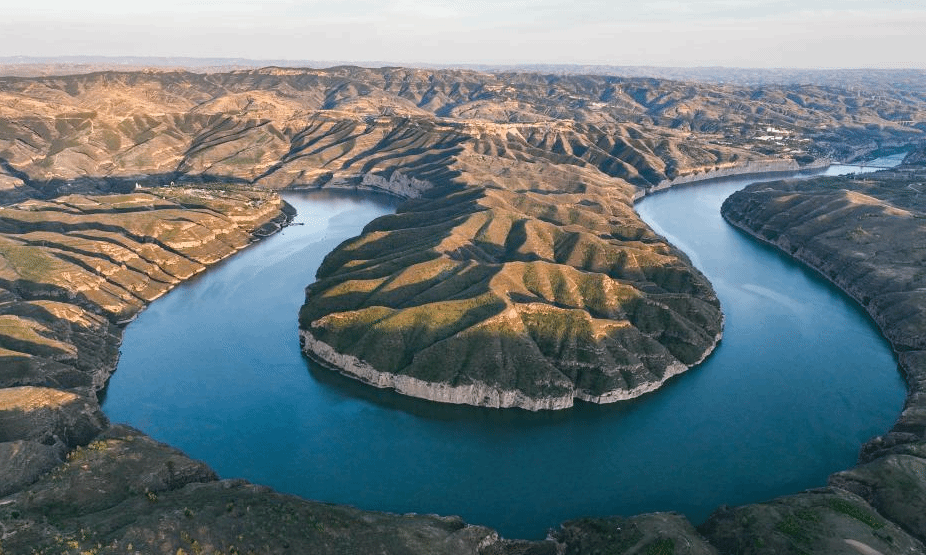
column 196, row 62
column 754, row 34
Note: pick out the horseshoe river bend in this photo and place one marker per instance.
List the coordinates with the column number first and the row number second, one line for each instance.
column 800, row 380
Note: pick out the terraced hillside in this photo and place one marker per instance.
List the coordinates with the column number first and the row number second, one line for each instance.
column 72, row 269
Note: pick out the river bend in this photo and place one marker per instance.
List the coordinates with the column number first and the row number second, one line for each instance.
column 800, row 380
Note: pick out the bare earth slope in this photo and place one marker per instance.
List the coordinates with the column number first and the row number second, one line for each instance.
column 278, row 126
column 517, row 274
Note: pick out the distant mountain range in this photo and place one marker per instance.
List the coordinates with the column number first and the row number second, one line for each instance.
column 907, row 79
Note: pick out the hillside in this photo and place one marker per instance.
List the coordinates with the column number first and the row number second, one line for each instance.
column 265, row 126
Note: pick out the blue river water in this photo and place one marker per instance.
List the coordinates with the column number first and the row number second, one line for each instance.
column 800, row 380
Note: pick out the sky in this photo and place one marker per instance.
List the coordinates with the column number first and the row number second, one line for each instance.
column 732, row 33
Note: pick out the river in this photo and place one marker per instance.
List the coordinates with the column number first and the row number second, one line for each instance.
column 801, row 379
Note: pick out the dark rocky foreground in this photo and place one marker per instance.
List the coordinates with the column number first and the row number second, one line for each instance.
column 524, row 189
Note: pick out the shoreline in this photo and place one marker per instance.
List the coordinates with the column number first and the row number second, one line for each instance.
column 911, row 375
column 478, row 394
column 285, row 214
column 752, row 169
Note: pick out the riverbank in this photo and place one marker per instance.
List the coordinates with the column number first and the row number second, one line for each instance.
column 848, row 231
column 753, row 169
column 911, row 424
column 865, row 236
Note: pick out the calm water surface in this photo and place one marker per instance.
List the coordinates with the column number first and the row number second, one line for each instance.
column 801, row 379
